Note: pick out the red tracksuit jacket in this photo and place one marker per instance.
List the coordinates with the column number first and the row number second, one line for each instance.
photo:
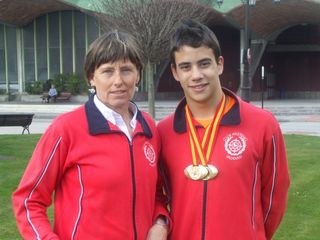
column 104, row 185
column 247, row 199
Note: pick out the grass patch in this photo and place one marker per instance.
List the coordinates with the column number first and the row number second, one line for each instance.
column 301, row 221
column 15, row 153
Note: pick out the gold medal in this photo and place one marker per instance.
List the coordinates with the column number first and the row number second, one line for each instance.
column 197, row 172
column 212, row 172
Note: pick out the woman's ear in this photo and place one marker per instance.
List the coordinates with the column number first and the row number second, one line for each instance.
column 138, row 78
column 91, row 81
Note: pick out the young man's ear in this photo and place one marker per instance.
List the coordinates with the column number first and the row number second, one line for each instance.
column 220, row 64
column 174, row 72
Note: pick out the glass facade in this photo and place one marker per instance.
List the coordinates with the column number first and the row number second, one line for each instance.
column 2, row 57
column 54, row 44
column 67, row 50
column 51, row 44
column 29, row 53
column 79, row 40
column 11, row 58
column 41, row 49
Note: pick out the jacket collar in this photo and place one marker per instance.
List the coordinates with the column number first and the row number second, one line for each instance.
column 99, row 125
column 232, row 117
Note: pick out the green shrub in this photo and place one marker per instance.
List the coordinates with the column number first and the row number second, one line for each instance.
column 73, row 83
column 76, row 84
column 60, row 82
column 34, row 87
column 3, row 91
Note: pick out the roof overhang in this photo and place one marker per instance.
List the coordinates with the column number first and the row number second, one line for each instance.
column 21, row 12
column 268, row 19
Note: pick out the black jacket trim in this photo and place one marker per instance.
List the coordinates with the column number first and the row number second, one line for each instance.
column 231, row 118
column 99, row 125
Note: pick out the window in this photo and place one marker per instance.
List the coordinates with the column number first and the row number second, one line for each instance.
column 66, row 31
column 41, row 43
column 28, row 40
column 54, row 48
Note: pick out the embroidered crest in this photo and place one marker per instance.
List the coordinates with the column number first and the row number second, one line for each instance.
column 149, row 153
column 235, row 144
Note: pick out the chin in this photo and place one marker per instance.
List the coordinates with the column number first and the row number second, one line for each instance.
column 119, row 104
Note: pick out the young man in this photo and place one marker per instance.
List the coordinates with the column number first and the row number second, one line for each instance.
column 225, row 159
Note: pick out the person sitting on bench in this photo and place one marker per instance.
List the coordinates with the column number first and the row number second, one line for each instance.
column 53, row 93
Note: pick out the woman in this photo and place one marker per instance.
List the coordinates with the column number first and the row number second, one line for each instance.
column 100, row 160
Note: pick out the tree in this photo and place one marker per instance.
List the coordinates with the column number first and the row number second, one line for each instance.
column 151, row 23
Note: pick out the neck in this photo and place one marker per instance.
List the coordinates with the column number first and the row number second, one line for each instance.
column 205, row 110
column 125, row 113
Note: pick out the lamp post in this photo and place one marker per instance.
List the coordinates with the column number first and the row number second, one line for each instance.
column 245, row 85
column 246, row 57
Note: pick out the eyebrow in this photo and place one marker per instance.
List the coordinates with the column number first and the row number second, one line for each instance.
column 205, row 60
column 183, row 64
column 200, row 61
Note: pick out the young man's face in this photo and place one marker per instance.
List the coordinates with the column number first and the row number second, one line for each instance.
column 115, row 83
column 198, row 73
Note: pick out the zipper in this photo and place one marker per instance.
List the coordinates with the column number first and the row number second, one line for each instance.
column 133, row 191
column 133, row 178
column 204, row 212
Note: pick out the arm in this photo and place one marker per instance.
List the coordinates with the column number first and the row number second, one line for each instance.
column 162, row 222
column 34, row 193
column 275, row 181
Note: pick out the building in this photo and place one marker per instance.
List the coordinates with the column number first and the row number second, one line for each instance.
column 42, row 38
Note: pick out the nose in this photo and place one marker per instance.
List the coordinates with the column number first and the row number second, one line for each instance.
column 196, row 73
column 117, row 80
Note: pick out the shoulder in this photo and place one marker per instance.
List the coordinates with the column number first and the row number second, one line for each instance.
column 68, row 119
column 251, row 110
column 166, row 123
column 147, row 117
column 258, row 117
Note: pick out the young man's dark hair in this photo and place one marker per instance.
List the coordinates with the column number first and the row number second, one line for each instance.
column 193, row 34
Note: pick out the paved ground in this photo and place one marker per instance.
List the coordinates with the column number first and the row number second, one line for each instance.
column 294, row 116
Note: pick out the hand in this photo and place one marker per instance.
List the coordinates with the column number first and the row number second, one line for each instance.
column 158, row 232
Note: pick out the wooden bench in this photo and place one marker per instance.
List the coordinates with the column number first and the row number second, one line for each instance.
column 63, row 96
column 18, row 119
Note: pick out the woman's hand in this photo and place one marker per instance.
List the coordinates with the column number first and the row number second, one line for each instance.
column 159, row 230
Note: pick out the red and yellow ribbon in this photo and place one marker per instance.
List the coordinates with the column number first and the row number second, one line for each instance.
column 211, row 129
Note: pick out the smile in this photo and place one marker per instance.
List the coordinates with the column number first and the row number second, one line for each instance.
column 199, row 87
column 118, row 92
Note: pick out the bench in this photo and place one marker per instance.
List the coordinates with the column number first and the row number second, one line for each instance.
column 10, row 120
column 63, row 96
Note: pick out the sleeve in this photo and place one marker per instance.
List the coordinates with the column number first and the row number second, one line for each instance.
column 34, row 193
column 275, row 180
column 162, row 201
column 162, row 197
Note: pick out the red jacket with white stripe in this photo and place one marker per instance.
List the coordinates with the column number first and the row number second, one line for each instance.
column 248, row 197
column 104, row 185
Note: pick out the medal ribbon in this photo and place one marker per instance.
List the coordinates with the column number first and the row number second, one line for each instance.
column 194, row 139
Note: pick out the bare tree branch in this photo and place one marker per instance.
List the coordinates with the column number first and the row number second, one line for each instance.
column 150, row 21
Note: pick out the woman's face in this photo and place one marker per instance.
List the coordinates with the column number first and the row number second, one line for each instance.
column 115, row 83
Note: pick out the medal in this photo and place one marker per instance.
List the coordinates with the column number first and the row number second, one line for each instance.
column 196, row 172
column 203, row 171
column 212, row 172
